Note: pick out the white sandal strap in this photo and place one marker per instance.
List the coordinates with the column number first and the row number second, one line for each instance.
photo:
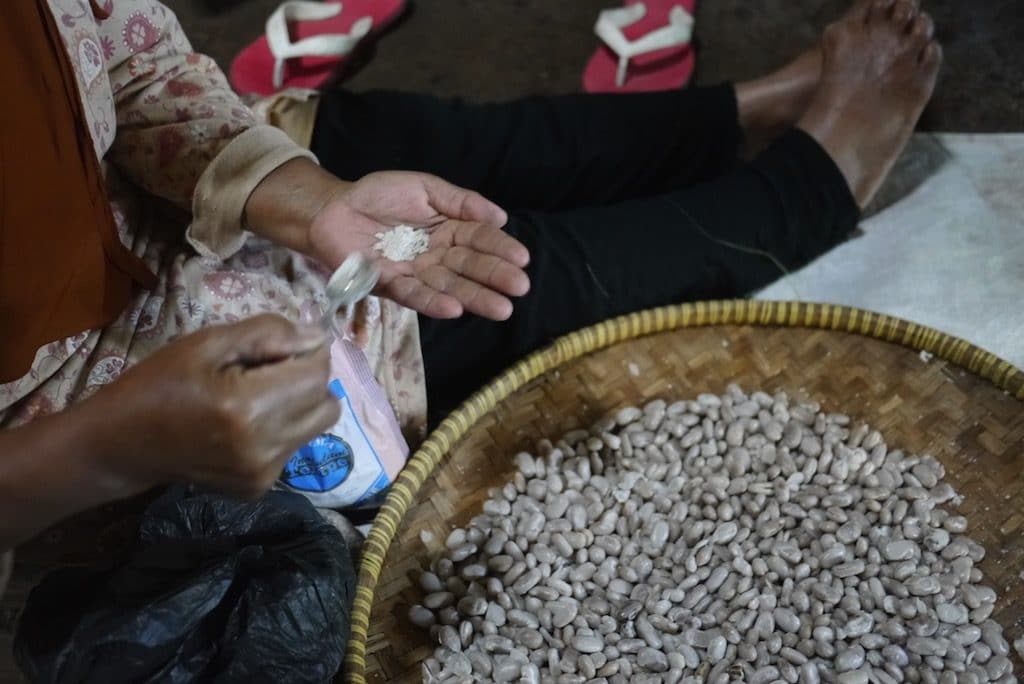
column 328, row 45
column 677, row 32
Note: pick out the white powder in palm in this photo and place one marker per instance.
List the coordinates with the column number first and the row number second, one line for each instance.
column 402, row 243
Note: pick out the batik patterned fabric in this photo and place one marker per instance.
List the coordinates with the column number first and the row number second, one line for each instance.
column 168, row 128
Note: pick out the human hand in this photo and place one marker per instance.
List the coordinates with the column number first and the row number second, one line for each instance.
column 471, row 264
column 224, row 407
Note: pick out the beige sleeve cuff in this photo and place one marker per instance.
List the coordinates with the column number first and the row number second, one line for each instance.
column 293, row 111
column 219, row 200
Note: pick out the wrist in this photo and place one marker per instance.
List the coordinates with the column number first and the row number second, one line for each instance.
column 116, row 442
column 284, row 206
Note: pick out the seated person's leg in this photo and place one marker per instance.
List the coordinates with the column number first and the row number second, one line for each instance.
column 720, row 239
column 539, row 153
column 554, row 153
column 724, row 238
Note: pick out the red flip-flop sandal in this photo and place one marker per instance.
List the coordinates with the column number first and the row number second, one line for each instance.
column 307, row 42
column 646, row 47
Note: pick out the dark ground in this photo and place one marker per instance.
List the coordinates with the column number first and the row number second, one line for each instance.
column 491, row 49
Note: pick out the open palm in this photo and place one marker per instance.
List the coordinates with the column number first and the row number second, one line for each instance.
column 471, row 264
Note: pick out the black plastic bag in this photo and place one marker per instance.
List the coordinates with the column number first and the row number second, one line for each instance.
column 217, row 591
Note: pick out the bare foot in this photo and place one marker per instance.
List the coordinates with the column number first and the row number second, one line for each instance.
column 879, row 67
column 771, row 104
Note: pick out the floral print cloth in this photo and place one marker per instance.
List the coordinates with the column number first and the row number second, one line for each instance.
column 181, row 153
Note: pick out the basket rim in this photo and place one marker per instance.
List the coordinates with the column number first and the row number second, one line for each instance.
column 763, row 313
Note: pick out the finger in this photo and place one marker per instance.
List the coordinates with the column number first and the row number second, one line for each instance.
column 284, row 390
column 489, row 240
column 282, row 446
column 412, row 293
column 266, row 338
column 474, row 297
column 490, row 271
column 318, row 420
column 451, row 200
column 278, row 442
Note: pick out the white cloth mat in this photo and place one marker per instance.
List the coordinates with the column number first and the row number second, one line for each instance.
column 950, row 254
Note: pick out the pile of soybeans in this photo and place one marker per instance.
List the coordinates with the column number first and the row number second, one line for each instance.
column 726, row 539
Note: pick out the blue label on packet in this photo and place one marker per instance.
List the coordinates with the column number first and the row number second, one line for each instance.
column 340, row 468
column 319, row 466
column 322, row 464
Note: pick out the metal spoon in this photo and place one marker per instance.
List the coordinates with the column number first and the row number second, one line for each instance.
column 350, row 283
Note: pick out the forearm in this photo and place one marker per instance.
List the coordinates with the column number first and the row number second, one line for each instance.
column 57, row 466
column 284, row 204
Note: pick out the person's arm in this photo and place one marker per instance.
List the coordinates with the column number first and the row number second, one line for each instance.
column 471, row 264
column 54, row 467
column 284, row 205
column 224, row 407
column 183, row 134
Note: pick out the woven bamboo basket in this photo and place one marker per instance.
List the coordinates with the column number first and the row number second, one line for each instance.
column 926, row 391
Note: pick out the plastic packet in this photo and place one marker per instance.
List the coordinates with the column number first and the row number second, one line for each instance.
column 354, row 463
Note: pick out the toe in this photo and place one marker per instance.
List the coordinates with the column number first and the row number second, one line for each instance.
column 922, row 29
column 879, row 10
column 903, row 12
column 931, row 56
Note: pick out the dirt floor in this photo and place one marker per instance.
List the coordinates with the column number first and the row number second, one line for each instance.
column 493, row 50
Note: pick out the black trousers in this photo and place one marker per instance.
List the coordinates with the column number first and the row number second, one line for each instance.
column 625, row 202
